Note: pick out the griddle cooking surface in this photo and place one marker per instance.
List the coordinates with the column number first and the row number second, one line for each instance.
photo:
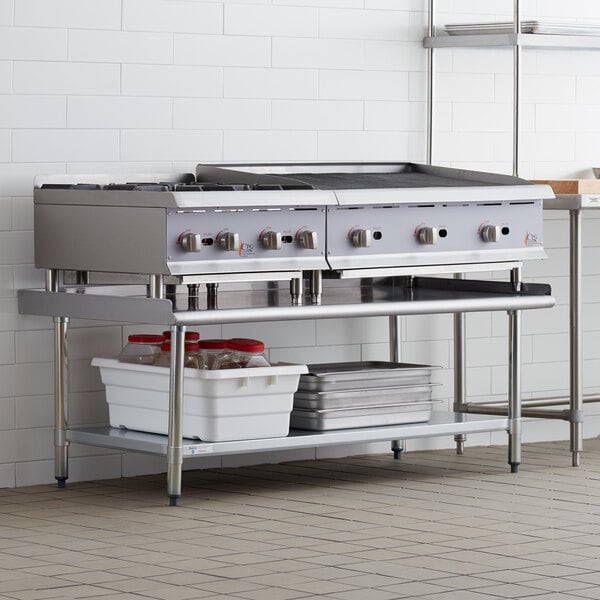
column 354, row 181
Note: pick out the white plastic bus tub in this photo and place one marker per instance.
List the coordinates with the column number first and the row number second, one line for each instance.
column 218, row 406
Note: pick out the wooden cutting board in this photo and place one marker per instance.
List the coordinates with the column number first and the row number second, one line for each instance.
column 572, row 186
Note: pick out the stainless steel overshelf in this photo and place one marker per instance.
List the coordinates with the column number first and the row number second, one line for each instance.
column 439, row 424
column 524, row 40
column 347, row 298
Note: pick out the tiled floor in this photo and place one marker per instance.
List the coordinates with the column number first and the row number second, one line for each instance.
column 433, row 526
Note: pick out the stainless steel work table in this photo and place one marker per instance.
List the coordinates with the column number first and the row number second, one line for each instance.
column 391, row 296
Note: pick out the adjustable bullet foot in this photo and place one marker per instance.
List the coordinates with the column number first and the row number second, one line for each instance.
column 397, row 453
column 173, row 500
column 514, row 467
column 61, row 482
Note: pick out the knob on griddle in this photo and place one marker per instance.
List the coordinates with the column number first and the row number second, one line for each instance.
column 428, row 235
column 191, row 242
column 271, row 240
column 361, row 238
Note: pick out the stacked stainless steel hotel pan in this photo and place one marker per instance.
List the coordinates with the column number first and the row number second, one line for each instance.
column 362, row 394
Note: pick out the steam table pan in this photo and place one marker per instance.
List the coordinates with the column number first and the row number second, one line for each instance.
column 344, row 376
column 361, row 398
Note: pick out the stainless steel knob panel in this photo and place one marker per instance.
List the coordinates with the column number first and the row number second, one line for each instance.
column 361, row 238
column 191, row 242
column 428, row 235
column 308, row 239
column 490, row 233
column 271, row 240
column 229, row 241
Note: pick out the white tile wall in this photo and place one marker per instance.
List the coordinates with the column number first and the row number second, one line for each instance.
column 155, row 85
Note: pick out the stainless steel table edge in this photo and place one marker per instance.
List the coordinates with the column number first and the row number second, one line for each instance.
column 440, row 424
column 159, row 312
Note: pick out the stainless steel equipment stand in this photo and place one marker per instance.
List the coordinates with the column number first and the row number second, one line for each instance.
column 393, row 298
column 460, row 370
column 397, row 445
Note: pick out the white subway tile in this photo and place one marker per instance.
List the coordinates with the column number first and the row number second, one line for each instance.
column 395, row 56
column 317, row 3
column 396, row 116
column 586, row 120
column 7, row 475
column 270, row 145
column 315, row 354
column 556, row 117
column 7, row 281
column 363, row 24
column 363, row 85
column 221, row 113
column 586, row 147
column 178, row 16
column 16, row 247
column 481, row 117
column 277, row 334
column 6, row 73
column 317, row 114
column 280, row 21
column 120, row 47
column 27, row 43
column 375, row 351
column 362, row 145
column 64, row 145
column 119, row 112
column 465, row 87
column 5, row 145
column 363, row 330
column 26, row 445
column 467, row 146
column 27, row 276
column 567, row 62
column 22, row 214
column 7, row 414
column 87, row 14
column 393, row 5
column 33, row 379
column 224, row 51
column 90, row 468
column 5, row 214
column 318, row 53
column 87, row 408
column 66, row 78
column 32, row 111
column 171, row 80
column 39, row 472
column 6, row 12
column 435, row 353
column 7, row 348
column 34, row 411
column 428, row 327
column 482, row 60
column 151, row 167
column 271, row 83
column 171, row 144
column 83, row 377
column 17, row 179
column 539, row 89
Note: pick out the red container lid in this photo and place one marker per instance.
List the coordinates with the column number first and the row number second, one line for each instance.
column 212, row 344
column 246, row 345
column 188, row 347
column 144, row 338
column 190, row 336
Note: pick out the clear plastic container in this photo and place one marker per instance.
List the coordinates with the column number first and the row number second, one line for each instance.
column 191, row 357
column 209, row 350
column 141, row 349
column 250, row 352
column 228, row 358
column 190, row 336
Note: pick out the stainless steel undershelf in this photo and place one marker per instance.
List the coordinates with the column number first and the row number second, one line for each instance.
column 265, row 304
column 524, row 40
column 439, row 424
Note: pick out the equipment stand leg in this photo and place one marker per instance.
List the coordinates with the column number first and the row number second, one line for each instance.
column 514, row 380
column 61, row 381
column 394, row 325
column 460, row 370
column 575, row 337
column 175, row 440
